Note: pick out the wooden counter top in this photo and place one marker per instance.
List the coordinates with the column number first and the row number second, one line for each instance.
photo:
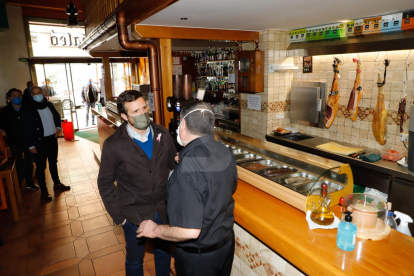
column 285, row 229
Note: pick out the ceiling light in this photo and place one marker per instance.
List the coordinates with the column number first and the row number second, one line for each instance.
column 183, row 18
column 73, row 13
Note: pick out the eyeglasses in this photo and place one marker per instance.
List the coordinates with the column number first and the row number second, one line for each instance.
column 142, row 110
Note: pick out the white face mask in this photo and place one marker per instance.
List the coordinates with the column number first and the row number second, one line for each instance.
column 179, row 141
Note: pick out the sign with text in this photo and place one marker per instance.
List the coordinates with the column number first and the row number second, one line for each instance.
column 254, row 102
column 58, row 39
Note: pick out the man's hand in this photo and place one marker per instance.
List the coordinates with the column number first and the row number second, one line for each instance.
column 57, row 133
column 123, row 222
column 146, row 229
column 177, row 158
column 33, row 150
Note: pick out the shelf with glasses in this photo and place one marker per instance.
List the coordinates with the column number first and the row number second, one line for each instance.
column 212, row 76
column 215, row 61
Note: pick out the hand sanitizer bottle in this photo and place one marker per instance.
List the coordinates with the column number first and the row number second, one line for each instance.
column 346, row 238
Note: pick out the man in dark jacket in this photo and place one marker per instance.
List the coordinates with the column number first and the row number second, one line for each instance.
column 139, row 157
column 41, row 126
column 10, row 122
column 89, row 97
column 27, row 96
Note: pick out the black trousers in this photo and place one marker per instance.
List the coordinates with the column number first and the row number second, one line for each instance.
column 24, row 165
column 49, row 153
column 215, row 263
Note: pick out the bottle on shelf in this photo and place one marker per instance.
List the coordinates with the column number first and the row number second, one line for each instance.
column 322, row 214
column 347, row 231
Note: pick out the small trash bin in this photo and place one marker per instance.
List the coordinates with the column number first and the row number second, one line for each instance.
column 67, row 130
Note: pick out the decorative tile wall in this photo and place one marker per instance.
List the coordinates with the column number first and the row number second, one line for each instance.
column 253, row 258
column 276, row 96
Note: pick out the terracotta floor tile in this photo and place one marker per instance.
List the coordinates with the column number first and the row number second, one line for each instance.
column 147, row 273
column 109, row 264
column 90, row 208
column 54, row 210
column 98, row 231
column 14, row 266
column 149, row 265
column 54, row 225
column 119, row 273
column 77, row 171
column 70, row 271
column 16, row 230
column 92, row 215
column 73, row 213
column 56, row 243
column 14, row 245
column 34, row 262
column 101, row 241
column 94, row 223
column 81, row 247
column 57, row 233
column 70, row 200
column 58, row 254
column 86, row 268
column 82, row 182
column 58, row 266
column 87, row 202
column 105, row 251
column 55, row 217
column 35, row 239
column 152, row 271
column 78, row 178
column 85, row 197
column 56, row 203
column 76, row 228
column 81, row 188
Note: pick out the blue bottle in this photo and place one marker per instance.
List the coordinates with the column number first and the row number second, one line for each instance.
column 347, row 231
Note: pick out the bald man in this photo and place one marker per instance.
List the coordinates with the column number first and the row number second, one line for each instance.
column 41, row 127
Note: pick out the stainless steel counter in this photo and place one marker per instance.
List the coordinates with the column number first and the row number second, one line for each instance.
column 382, row 166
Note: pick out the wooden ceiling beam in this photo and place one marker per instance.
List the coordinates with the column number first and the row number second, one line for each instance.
column 146, row 31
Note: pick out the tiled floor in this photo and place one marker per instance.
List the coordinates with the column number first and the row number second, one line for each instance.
column 73, row 234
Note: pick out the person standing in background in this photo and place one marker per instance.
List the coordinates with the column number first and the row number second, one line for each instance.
column 26, row 93
column 41, row 127
column 10, row 122
column 48, row 90
column 89, row 97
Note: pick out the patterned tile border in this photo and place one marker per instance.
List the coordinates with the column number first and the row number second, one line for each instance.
column 364, row 114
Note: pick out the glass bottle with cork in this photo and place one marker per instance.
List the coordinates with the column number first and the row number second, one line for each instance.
column 321, row 214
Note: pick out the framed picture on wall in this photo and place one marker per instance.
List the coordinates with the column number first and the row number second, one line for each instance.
column 3, row 203
column 307, row 64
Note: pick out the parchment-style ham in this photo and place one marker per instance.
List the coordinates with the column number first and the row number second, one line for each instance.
column 333, row 98
column 356, row 93
column 379, row 122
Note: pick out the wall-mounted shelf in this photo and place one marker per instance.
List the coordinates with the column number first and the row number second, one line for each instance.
column 215, row 61
column 356, row 44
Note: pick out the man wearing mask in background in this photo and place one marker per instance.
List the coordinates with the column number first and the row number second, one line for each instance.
column 200, row 200
column 10, row 122
column 41, row 126
column 26, row 93
column 89, row 97
column 139, row 157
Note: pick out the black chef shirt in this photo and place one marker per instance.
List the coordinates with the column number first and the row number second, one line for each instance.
column 200, row 191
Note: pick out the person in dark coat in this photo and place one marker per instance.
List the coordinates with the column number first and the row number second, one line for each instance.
column 41, row 127
column 139, row 157
column 26, row 93
column 10, row 122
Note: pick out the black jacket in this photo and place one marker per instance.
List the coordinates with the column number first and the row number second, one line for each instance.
column 10, row 122
column 32, row 126
column 141, row 183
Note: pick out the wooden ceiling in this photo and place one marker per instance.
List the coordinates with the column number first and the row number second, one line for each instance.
column 51, row 9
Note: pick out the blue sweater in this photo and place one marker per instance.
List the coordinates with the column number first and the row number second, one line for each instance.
column 146, row 146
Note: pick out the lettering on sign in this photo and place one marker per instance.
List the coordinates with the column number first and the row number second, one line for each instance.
column 65, row 39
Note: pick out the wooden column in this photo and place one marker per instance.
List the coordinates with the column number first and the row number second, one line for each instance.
column 108, row 83
column 166, row 77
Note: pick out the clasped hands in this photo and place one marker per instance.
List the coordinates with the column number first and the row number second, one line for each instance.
column 146, row 229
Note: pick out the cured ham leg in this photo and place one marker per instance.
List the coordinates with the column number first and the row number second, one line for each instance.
column 333, row 98
column 379, row 122
column 356, row 93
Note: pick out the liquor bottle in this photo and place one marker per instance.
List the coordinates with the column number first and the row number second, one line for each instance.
column 322, row 215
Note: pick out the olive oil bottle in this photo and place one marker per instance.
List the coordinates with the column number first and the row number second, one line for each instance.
column 321, row 214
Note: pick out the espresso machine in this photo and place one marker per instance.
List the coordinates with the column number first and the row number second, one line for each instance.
column 410, row 160
column 182, row 95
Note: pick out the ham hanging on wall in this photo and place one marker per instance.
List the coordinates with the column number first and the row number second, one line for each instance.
column 356, row 93
column 333, row 99
column 379, row 122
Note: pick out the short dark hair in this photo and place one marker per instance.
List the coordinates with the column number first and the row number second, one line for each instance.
column 27, row 83
column 199, row 122
column 127, row 96
column 8, row 95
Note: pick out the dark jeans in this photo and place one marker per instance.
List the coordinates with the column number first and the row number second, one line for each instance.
column 215, row 263
column 135, row 252
column 49, row 153
column 24, row 165
column 89, row 106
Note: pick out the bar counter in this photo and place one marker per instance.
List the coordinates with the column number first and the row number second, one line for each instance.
column 284, row 229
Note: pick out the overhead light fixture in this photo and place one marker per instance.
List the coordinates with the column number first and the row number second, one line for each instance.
column 183, row 18
column 73, row 15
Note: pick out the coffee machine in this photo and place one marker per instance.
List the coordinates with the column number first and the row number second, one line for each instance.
column 182, row 96
column 410, row 160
